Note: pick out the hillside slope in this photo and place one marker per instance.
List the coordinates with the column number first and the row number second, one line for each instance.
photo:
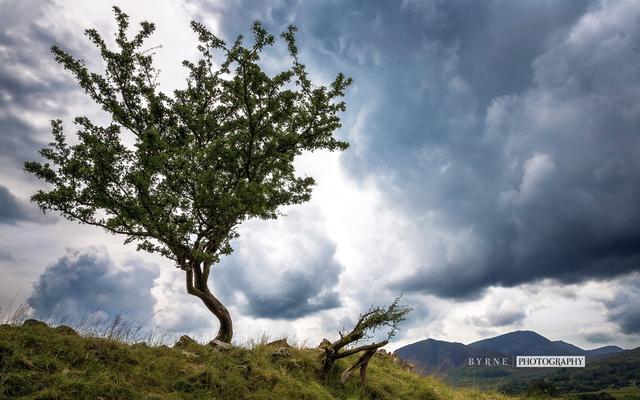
column 39, row 362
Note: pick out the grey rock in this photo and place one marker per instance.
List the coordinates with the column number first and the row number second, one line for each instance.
column 281, row 352
column 219, row 344
column 185, row 341
column 66, row 330
column 35, row 322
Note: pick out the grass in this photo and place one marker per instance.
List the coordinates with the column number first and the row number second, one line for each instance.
column 42, row 362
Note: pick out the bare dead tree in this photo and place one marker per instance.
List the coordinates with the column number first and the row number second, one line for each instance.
column 362, row 363
column 368, row 323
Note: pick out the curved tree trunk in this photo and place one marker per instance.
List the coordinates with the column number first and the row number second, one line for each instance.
column 225, row 332
column 197, row 277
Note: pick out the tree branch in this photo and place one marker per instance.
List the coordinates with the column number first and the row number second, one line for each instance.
column 372, row 346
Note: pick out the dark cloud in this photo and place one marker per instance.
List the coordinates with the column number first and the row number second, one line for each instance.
column 499, row 123
column 33, row 88
column 534, row 177
column 87, row 281
column 505, row 317
column 17, row 140
column 6, row 256
column 599, row 337
column 13, row 210
column 624, row 308
column 274, row 274
column 519, row 185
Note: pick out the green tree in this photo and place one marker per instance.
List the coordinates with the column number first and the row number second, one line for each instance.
column 178, row 174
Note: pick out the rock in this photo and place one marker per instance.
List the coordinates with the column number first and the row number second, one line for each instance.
column 281, row 352
column 279, row 343
column 34, row 322
column 184, row 341
column 400, row 362
column 219, row 344
column 66, row 330
column 324, row 344
column 382, row 352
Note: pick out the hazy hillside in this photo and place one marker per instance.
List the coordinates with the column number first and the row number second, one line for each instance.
column 39, row 362
column 523, row 343
column 605, row 351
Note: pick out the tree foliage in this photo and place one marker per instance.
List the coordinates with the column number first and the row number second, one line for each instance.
column 176, row 174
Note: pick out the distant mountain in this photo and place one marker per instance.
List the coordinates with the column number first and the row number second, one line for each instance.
column 600, row 351
column 525, row 343
column 571, row 349
column 438, row 355
column 435, row 355
column 605, row 351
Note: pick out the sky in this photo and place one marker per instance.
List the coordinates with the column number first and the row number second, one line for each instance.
column 492, row 178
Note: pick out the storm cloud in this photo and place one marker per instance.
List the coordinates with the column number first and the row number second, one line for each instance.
column 279, row 272
column 87, row 281
column 14, row 210
column 538, row 183
column 507, row 130
column 599, row 337
column 623, row 308
column 31, row 91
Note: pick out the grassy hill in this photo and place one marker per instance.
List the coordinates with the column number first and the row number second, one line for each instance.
column 40, row 362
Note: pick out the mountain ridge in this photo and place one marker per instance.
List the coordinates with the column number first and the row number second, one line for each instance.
column 442, row 356
column 608, row 368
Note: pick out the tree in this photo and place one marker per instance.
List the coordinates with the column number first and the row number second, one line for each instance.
column 216, row 153
column 374, row 319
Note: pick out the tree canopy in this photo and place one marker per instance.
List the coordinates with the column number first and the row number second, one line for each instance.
column 176, row 174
